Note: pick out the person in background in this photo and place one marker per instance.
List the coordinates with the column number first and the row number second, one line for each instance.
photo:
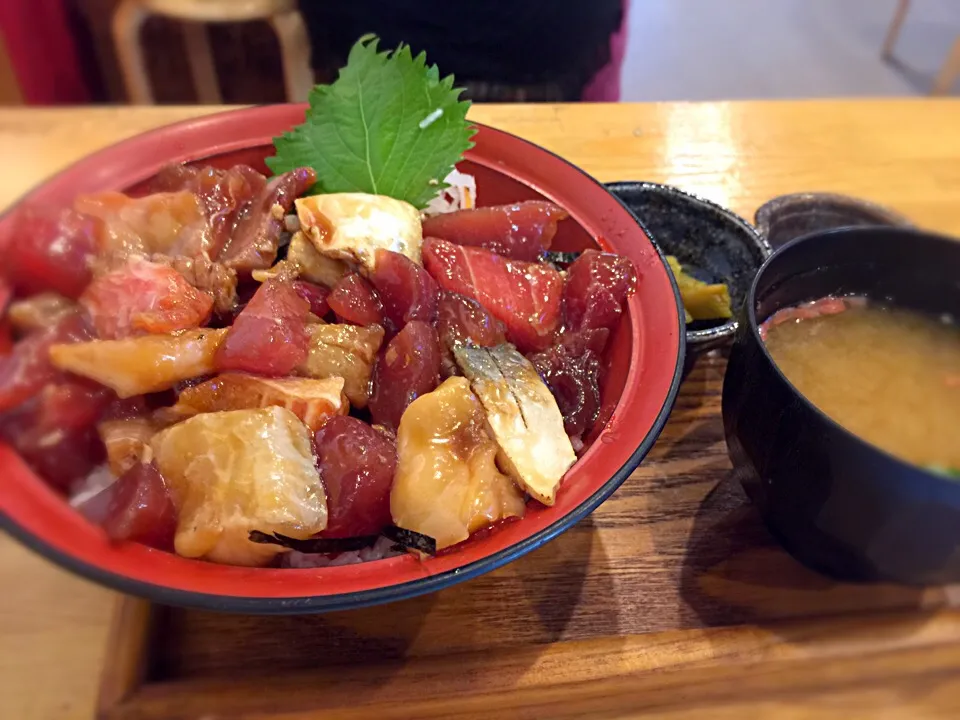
column 499, row 50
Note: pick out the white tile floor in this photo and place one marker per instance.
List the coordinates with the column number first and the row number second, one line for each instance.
column 740, row 49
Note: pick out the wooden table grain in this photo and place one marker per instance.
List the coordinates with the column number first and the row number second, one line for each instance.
column 901, row 153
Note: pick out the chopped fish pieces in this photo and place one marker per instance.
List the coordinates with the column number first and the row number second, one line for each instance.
column 233, row 472
column 311, row 265
column 522, row 415
column 353, row 226
column 345, row 351
column 127, row 441
column 139, row 365
column 313, row 401
column 447, row 483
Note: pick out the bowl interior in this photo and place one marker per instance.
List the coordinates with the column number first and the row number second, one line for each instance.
column 712, row 243
column 644, row 369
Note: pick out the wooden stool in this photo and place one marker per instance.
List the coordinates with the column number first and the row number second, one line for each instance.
column 951, row 66
column 282, row 15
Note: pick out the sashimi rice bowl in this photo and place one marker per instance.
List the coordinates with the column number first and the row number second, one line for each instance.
column 360, row 343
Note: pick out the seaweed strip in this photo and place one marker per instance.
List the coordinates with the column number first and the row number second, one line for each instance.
column 410, row 540
column 314, row 546
column 560, row 258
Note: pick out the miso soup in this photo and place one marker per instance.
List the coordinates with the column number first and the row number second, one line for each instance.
column 891, row 377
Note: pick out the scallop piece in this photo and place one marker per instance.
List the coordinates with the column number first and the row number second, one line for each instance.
column 346, row 351
column 135, row 366
column 237, row 471
column 522, row 415
column 313, row 266
column 39, row 311
column 353, row 226
column 313, row 401
column 447, row 483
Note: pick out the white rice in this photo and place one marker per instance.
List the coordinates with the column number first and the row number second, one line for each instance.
column 382, row 548
column 460, row 195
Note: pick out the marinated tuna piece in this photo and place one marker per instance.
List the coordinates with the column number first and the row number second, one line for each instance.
column 55, row 430
column 6, row 338
column 233, row 472
column 571, row 369
column 256, row 235
column 46, row 251
column 346, row 351
column 140, row 365
column 38, row 312
column 408, row 368
column 127, row 441
column 357, row 464
column 143, row 297
column 597, row 286
column 354, row 301
column 406, row 290
column 523, row 417
column 462, row 319
column 27, row 368
column 311, row 265
column 6, row 295
column 137, row 507
column 447, row 483
column 353, row 226
column 223, row 194
column 521, row 231
column 167, row 223
column 315, row 295
column 208, row 276
column 269, row 336
column 524, row 296
column 313, row 401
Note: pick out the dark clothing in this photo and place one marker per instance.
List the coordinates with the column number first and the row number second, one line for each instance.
column 498, row 49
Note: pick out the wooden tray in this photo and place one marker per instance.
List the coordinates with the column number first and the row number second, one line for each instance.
column 670, row 600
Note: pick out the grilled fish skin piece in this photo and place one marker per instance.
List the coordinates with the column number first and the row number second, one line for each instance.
column 522, row 415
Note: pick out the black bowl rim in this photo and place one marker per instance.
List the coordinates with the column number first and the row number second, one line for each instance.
column 822, row 236
column 392, row 593
column 710, row 337
column 891, row 218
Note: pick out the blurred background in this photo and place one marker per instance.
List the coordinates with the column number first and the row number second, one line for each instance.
column 261, row 51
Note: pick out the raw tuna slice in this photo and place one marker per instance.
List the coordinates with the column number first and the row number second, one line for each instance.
column 525, row 296
column 47, row 251
column 224, row 194
column 521, row 231
column 136, row 507
column 269, row 336
column 142, row 297
column 597, row 286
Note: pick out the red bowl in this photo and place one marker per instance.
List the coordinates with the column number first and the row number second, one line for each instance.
column 644, row 366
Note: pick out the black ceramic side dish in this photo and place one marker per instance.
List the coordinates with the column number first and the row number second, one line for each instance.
column 788, row 217
column 712, row 243
column 837, row 503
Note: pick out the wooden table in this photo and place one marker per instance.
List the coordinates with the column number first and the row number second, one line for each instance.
column 901, row 153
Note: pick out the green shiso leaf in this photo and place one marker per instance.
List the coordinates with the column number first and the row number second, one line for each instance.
column 389, row 125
